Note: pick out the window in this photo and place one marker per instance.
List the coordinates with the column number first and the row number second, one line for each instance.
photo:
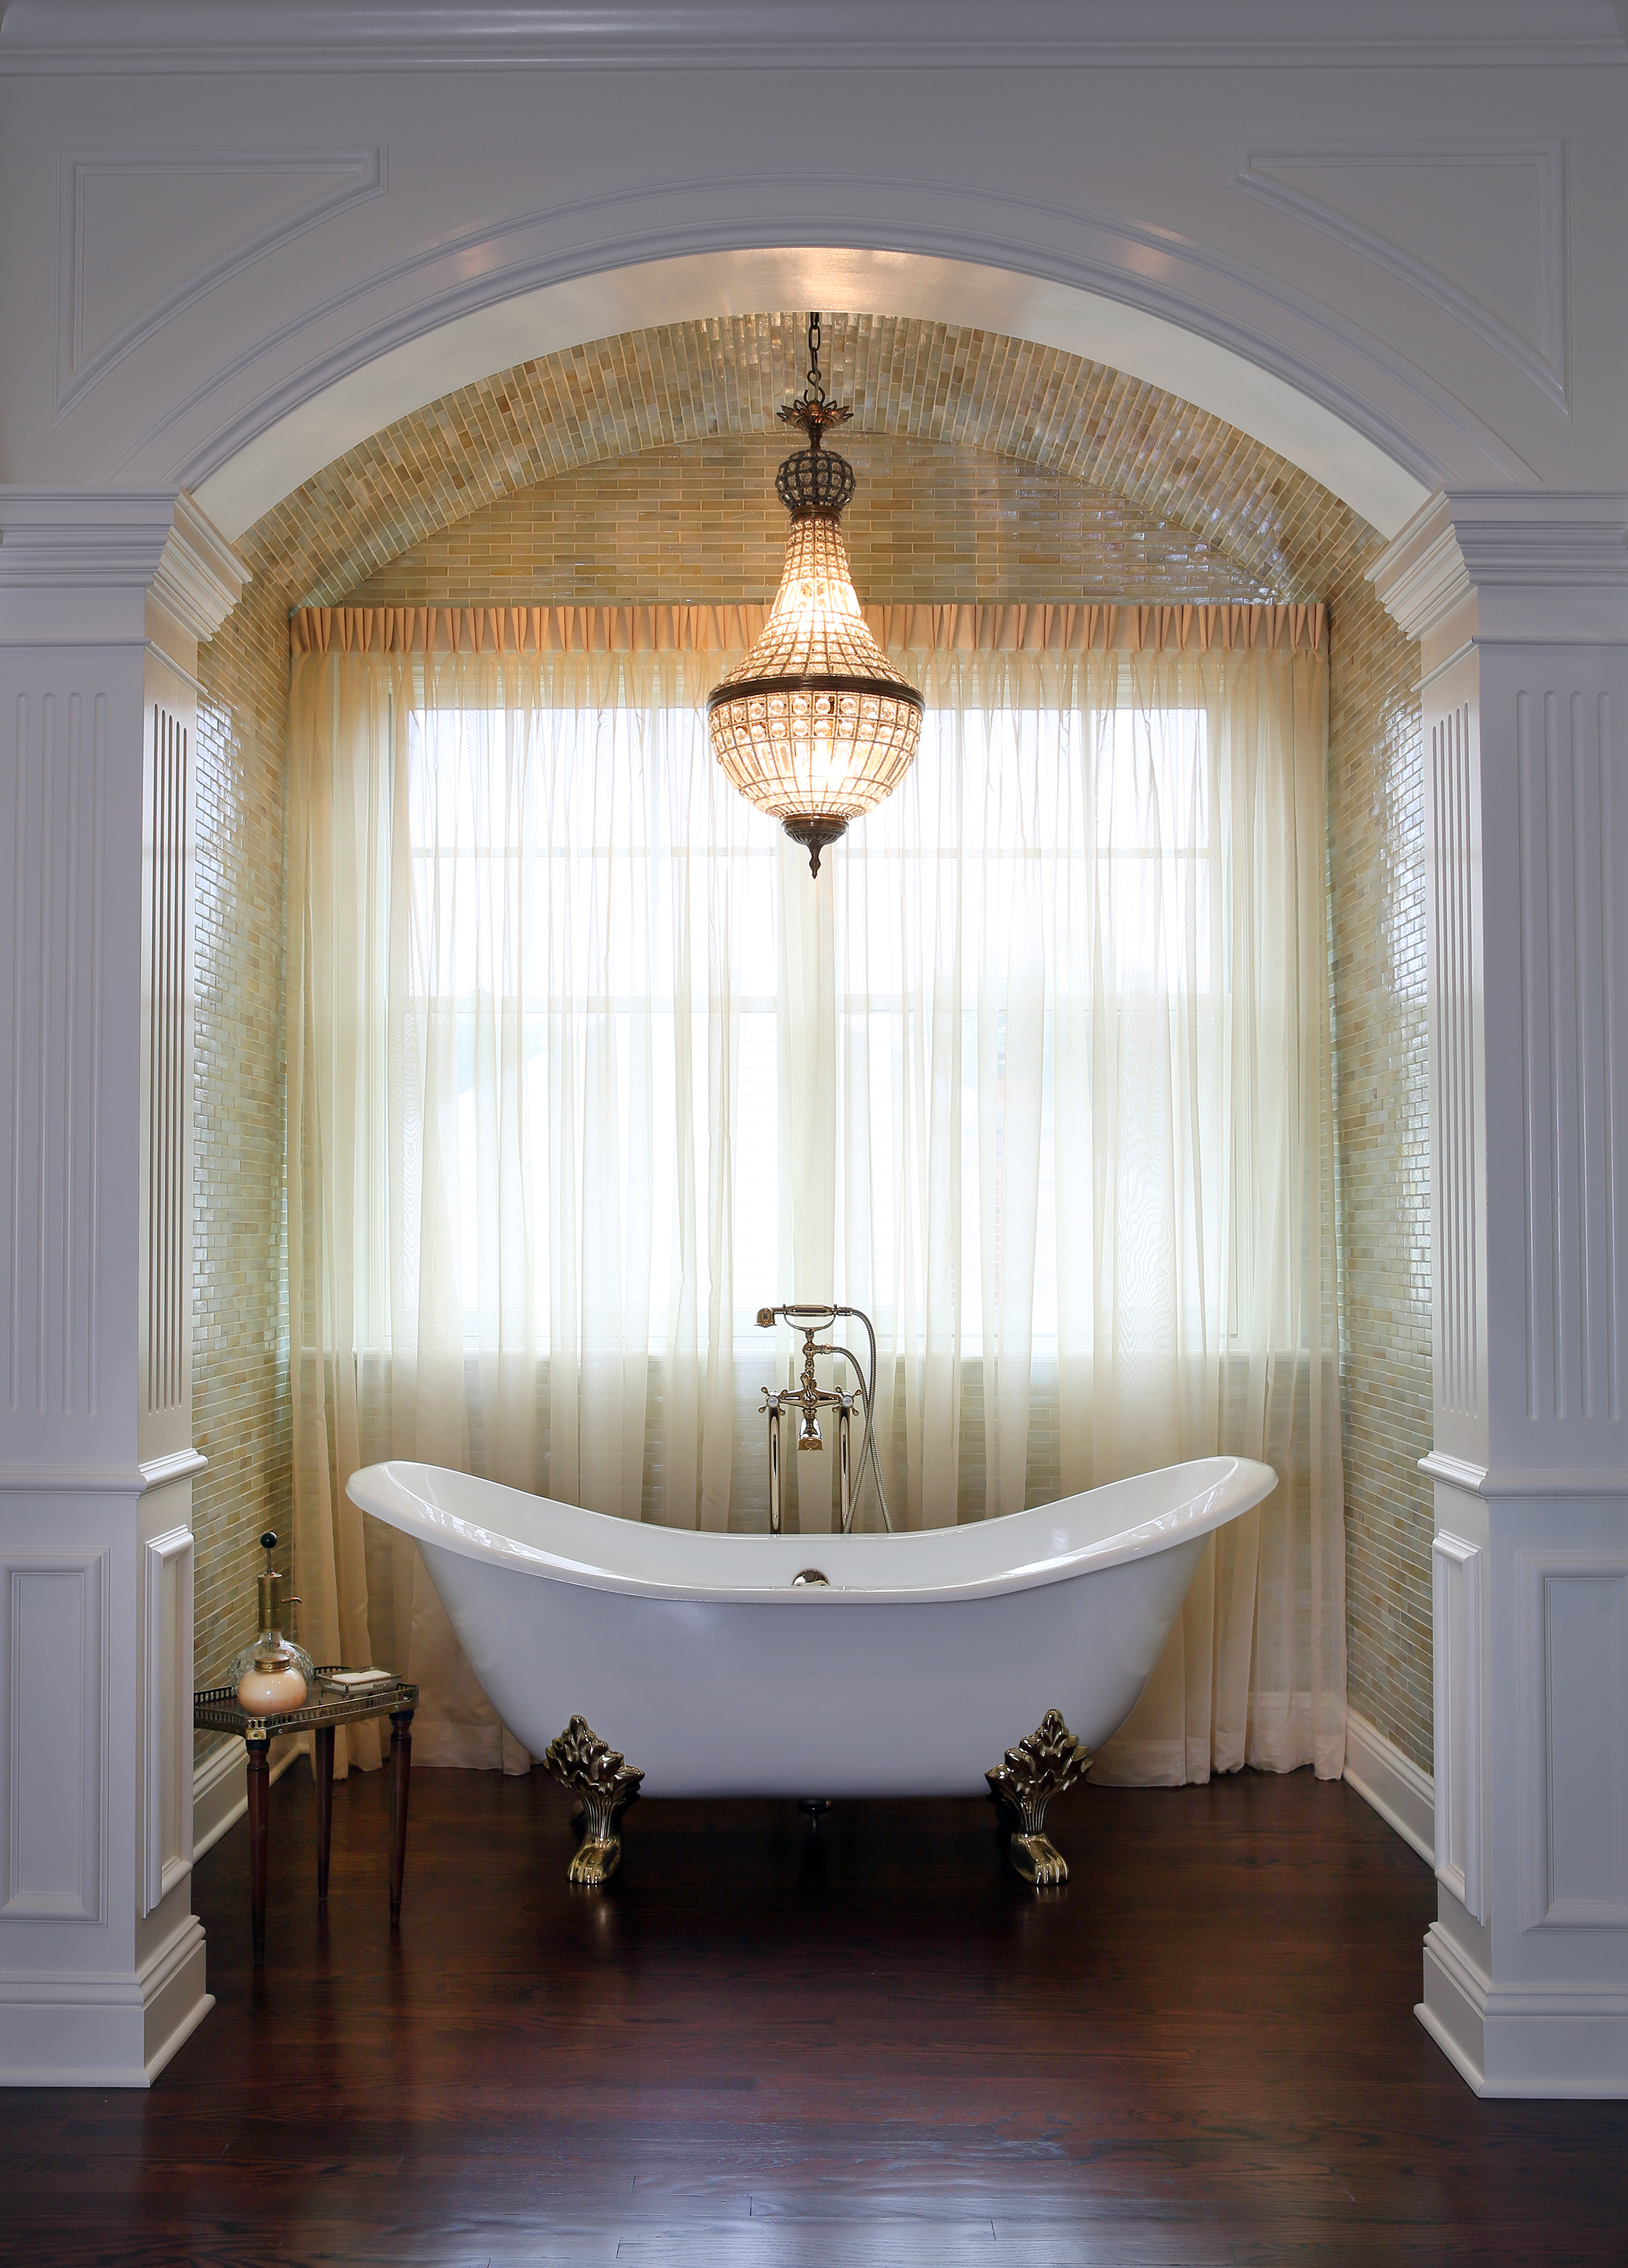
column 564, row 884
column 1038, row 1079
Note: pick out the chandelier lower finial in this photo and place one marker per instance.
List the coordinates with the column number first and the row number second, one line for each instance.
column 816, row 835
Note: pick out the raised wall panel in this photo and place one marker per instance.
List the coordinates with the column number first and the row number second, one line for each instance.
column 54, row 1682
column 53, row 811
column 1460, row 1856
column 1477, row 228
column 167, row 1729
column 143, row 234
column 1573, row 1639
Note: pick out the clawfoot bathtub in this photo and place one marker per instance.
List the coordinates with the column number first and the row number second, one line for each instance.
column 927, row 1663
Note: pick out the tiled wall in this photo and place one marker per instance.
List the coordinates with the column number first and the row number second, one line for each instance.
column 639, row 468
column 700, row 521
column 1376, row 845
column 240, row 1354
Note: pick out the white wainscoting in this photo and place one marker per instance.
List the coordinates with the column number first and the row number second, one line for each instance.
column 104, row 2027
column 55, row 1634
column 1461, row 1853
column 168, row 1823
column 1404, row 1796
column 1571, row 1647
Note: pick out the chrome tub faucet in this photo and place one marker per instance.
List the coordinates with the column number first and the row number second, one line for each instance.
column 807, row 1397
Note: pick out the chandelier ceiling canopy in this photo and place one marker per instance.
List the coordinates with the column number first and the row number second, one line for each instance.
column 814, row 725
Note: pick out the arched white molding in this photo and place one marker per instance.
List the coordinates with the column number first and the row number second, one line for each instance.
column 1375, row 430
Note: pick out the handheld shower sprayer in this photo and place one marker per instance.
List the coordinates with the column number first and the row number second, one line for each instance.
column 808, row 1397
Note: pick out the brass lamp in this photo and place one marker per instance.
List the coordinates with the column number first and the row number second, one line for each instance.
column 815, row 726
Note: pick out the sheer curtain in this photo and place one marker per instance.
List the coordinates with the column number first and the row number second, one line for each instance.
column 584, row 1069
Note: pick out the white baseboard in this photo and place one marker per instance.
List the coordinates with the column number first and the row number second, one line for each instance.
column 174, row 2000
column 220, row 1789
column 1404, row 1796
column 90, row 2029
column 1454, row 2009
column 1525, row 2042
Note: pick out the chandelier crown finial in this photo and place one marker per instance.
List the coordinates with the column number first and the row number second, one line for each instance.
column 816, row 483
column 813, row 411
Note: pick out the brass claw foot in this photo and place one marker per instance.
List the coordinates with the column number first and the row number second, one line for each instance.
column 1047, row 1762
column 595, row 1860
column 1038, row 1860
column 605, row 1784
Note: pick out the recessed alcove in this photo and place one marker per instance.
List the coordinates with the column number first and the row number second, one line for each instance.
column 637, row 470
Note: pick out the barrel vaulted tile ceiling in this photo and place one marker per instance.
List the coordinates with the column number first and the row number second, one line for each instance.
column 1184, row 490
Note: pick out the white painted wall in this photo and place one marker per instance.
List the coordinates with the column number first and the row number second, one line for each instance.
column 200, row 243
column 1521, row 603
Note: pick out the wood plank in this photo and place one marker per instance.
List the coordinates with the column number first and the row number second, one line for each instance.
column 873, row 2046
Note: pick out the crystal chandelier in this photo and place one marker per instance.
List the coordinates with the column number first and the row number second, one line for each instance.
column 814, row 726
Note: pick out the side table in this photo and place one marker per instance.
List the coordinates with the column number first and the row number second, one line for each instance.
column 217, row 1710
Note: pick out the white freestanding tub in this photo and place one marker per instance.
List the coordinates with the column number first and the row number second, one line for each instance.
column 928, row 1656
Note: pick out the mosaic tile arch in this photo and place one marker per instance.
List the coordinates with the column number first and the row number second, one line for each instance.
column 993, row 469
column 932, row 386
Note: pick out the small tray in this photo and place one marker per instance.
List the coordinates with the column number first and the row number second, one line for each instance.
column 218, row 1709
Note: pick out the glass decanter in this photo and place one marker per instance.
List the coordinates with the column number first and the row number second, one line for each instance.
column 272, row 1654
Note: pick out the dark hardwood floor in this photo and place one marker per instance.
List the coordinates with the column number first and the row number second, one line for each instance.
column 870, row 2047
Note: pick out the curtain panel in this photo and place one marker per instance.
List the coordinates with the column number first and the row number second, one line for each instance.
column 582, row 1068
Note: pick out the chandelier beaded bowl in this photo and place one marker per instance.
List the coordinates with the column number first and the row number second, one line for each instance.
column 815, row 726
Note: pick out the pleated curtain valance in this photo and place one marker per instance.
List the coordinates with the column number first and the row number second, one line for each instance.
column 994, row 629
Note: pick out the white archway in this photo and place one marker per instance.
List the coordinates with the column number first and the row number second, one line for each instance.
column 1374, row 430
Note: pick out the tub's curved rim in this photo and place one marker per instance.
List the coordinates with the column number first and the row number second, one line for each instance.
column 1233, row 1486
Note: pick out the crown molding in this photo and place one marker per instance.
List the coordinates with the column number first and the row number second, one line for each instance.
column 111, row 37
column 1419, row 578
column 1545, row 537
column 157, row 541
column 1543, row 564
column 200, row 578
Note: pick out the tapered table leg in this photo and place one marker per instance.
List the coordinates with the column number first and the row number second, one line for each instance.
column 325, row 1804
column 401, row 1765
column 259, row 1841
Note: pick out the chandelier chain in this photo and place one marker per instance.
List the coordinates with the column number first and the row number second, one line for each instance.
column 815, row 389
column 813, row 411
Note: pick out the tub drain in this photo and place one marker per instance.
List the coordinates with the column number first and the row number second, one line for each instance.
column 810, row 1575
